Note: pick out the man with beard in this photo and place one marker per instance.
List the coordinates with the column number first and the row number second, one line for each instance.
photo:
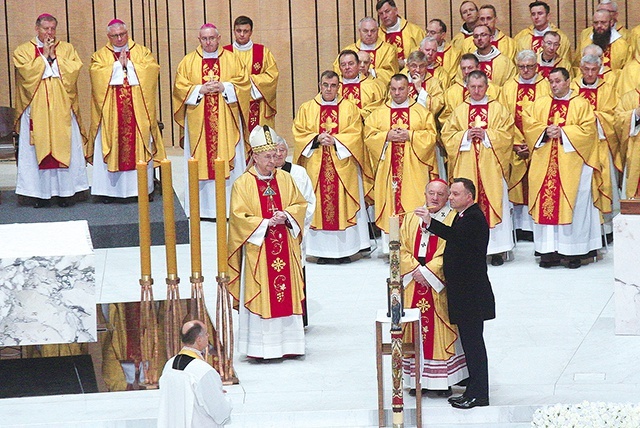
column 615, row 48
column 383, row 56
column 548, row 57
column 488, row 17
column 469, row 14
column 493, row 62
column 612, row 8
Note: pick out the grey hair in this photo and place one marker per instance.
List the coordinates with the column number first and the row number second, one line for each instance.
column 366, row 19
column 428, row 39
column 595, row 48
column 279, row 140
column 526, row 55
column 117, row 24
column 591, row 59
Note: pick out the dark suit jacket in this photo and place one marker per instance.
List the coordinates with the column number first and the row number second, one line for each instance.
column 465, row 266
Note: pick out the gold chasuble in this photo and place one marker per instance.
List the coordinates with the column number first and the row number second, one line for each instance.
column 629, row 144
column 335, row 180
column 458, row 93
column 499, row 69
column 214, row 130
column 126, row 114
column 449, row 59
column 614, row 57
column 272, row 271
column 603, row 99
column 403, row 168
column 50, row 127
column 259, row 63
column 500, row 40
column 384, row 59
column 516, row 96
column 407, row 39
column 486, row 166
column 530, row 39
column 435, row 97
column 554, row 170
column 422, row 248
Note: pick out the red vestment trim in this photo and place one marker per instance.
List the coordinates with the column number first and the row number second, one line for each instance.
column 257, row 55
column 211, row 71
column 550, row 192
column 536, row 43
column 351, row 92
column 127, row 124
column 481, row 111
column 132, row 326
column 487, row 67
column 329, row 181
column 372, row 55
column 399, row 119
column 440, row 58
column 396, row 40
column 525, row 90
column 545, row 70
column 276, row 247
column 423, row 297
column 591, row 95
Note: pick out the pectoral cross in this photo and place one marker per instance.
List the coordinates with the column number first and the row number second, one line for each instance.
column 270, row 193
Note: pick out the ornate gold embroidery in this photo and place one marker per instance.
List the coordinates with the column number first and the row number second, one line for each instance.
column 548, row 197
column 278, row 264
column 279, row 285
column 423, row 305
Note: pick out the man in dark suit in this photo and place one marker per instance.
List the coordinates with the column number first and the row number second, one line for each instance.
column 471, row 299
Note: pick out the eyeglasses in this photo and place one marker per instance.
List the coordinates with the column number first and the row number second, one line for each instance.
column 527, row 67
column 118, row 36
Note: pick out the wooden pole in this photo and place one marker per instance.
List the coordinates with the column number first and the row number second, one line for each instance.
column 395, row 285
column 224, row 320
column 173, row 309
column 148, row 317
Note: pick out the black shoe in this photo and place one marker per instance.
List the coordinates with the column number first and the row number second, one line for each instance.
column 463, row 382
column 548, row 264
column 574, row 263
column 63, row 202
column 497, row 260
column 344, row 260
column 524, row 235
column 457, row 399
column 412, row 392
column 470, row 403
column 440, row 393
column 322, row 261
column 107, row 199
column 609, row 238
column 365, row 250
column 41, row 203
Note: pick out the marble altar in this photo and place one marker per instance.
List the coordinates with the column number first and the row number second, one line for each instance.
column 47, row 284
column 626, row 230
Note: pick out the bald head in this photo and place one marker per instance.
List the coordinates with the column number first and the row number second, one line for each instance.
column 437, row 194
column 192, row 332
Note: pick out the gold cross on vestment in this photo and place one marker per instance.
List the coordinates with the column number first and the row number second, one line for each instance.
column 557, row 120
column 400, row 125
column 328, row 125
column 525, row 100
column 210, row 76
column 478, row 122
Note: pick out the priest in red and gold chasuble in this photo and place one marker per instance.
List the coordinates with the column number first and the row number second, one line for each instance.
column 124, row 124
column 260, row 65
column 404, row 35
column 266, row 223
column 401, row 139
column 443, row 361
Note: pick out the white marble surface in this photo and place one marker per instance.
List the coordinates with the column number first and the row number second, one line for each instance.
column 626, row 229
column 47, row 284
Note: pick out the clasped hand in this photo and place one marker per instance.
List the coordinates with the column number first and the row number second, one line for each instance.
column 279, row 217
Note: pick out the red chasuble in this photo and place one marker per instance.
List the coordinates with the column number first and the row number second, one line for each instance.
column 49, row 162
column 423, row 295
column 211, row 71
column 479, row 114
column 329, row 180
column 526, row 92
column 276, row 251
column 551, row 189
column 396, row 40
column 257, row 64
column 487, row 68
column 399, row 120
column 351, row 92
column 127, row 124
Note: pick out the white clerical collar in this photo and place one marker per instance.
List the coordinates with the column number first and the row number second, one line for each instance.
column 346, row 81
column 262, row 177
column 121, row 48
column 484, row 100
column 464, row 30
column 209, row 55
column 566, row 97
column 488, row 57
column 442, row 213
column 544, row 61
column 189, row 348
column 593, row 85
column 441, row 47
column 402, row 105
column 395, row 27
column 541, row 33
column 246, row 47
column 39, row 43
column 333, row 102
column 528, row 81
column 365, row 47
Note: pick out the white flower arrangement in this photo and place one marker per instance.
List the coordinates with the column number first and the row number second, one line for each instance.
column 587, row 414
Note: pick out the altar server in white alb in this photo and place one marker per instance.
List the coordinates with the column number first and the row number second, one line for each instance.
column 51, row 156
column 191, row 393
